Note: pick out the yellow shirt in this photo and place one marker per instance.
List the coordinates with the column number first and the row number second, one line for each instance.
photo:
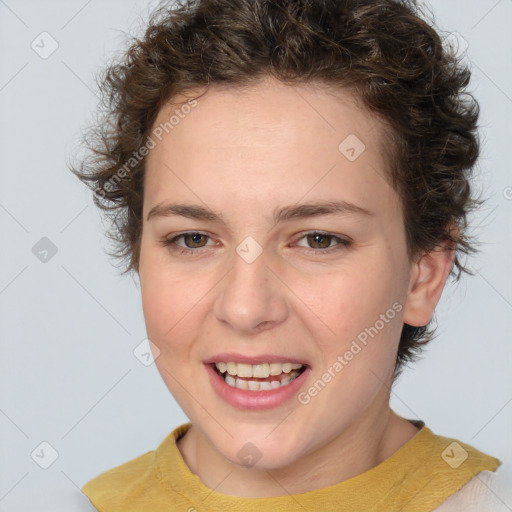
column 420, row 476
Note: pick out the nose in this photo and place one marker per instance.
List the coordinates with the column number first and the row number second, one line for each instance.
column 251, row 298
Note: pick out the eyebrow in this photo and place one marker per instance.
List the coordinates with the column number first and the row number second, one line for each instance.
column 282, row 214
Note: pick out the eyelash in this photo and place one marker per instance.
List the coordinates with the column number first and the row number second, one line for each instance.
column 342, row 243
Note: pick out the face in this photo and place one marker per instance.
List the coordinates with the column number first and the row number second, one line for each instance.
column 245, row 259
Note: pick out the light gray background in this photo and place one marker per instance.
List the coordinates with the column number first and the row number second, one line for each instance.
column 68, row 327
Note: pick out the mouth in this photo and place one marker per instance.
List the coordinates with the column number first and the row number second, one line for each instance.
column 257, row 382
column 258, row 377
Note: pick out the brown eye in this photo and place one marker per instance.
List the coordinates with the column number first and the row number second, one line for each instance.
column 321, row 243
column 193, row 240
column 324, row 241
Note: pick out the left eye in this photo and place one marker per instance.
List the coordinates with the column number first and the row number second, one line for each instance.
column 323, row 240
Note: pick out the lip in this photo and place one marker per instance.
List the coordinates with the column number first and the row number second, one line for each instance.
column 255, row 400
column 228, row 357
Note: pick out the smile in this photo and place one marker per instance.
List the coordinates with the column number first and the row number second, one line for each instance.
column 256, row 382
column 259, row 377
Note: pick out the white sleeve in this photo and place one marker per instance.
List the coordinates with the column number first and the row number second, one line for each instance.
column 488, row 491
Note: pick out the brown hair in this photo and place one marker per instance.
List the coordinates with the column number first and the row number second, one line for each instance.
column 383, row 50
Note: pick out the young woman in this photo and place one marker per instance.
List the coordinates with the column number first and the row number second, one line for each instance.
column 291, row 185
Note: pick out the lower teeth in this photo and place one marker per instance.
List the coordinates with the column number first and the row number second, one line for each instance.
column 253, row 385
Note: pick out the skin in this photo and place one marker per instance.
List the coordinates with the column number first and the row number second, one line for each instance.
column 242, row 153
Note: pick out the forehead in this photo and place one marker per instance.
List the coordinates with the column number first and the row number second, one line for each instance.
column 270, row 112
column 257, row 138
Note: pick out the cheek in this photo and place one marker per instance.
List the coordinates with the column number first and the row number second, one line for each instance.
column 175, row 302
column 170, row 324
column 352, row 298
column 168, row 305
column 162, row 297
column 362, row 308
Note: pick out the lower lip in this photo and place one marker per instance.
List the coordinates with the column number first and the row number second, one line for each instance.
column 244, row 399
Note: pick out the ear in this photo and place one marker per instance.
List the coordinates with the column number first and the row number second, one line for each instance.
column 429, row 273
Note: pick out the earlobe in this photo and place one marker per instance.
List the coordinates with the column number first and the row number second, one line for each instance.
column 428, row 278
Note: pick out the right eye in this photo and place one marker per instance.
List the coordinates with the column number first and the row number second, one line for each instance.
column 192, row 239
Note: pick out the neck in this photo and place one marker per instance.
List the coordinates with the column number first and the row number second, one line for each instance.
column 363, row 445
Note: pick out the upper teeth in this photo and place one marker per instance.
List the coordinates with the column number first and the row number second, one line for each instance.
column 257, row 370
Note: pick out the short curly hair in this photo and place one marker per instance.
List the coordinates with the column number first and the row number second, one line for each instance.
column 383, row 50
